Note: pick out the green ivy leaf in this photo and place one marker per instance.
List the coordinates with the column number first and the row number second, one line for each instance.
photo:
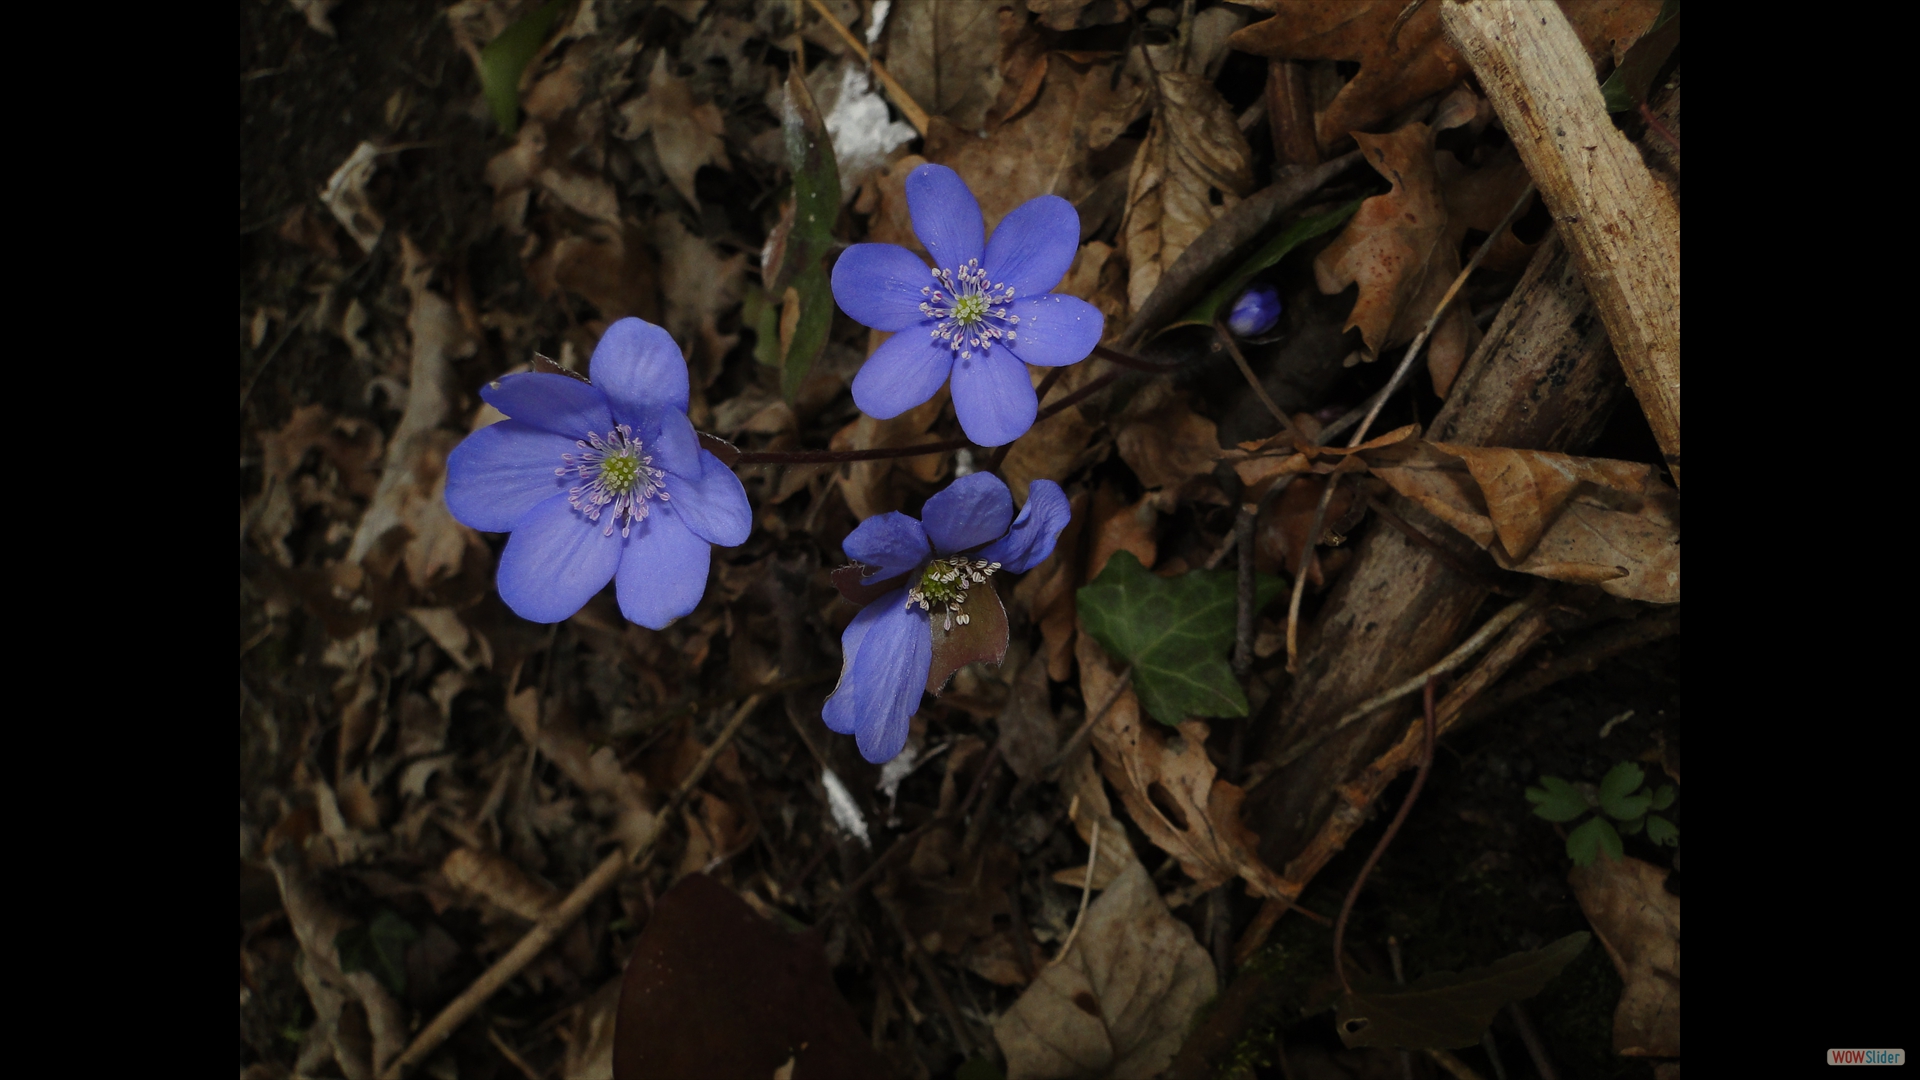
column 379, row 947
column 1204, row 312
column 1174, row 631
column 1588, row 840
column 1557, row 800
column 507, row 56
column 1617, row 789
column 1664, row 797
column 1444, row 1010
column 1663, row 832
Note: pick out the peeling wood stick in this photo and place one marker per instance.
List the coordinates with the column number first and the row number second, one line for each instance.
column 1350, row 812
column 562, row 914
column 1621, row 225
column 909, row 108
column 1393, row 829
column 1380, row 402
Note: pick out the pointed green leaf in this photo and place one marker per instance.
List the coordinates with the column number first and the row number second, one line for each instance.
column 1631, row 826
column 1664, row 797
column 1174, row 631
column 1557, row 800
column 507, row 56
column 1592, row 838
column 816, row 205
column 1444, row 1010
column 380, row 947
column 1617, row 790
column 1292, row 236
column 1629, row 84
column 1661, row 831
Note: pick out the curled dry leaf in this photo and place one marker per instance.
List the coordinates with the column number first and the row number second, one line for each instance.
column 317, row 925
column 1168, row 444
column 686, row 134
column 345, row 197
column 1401, row 252
column 946, row 57
column 1169, row 785
column 1120, row 1003
column 412, row 489
column 500, row 881
column 1589, row 521
column 1193, row 167
column 1399, row 67
column 1638, row 921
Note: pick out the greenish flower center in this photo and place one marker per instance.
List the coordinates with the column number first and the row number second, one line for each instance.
column 945, row 582
column 619, row 473
column 967, row 310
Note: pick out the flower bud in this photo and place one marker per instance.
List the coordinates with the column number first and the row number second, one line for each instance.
column 1255, row 312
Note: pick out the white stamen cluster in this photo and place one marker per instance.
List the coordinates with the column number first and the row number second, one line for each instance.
column 945, row 583
column 615, row 472
column 971, row 314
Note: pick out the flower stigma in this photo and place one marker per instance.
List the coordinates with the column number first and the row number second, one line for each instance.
column 615, row 471
column 945, row 582
column 971, row 314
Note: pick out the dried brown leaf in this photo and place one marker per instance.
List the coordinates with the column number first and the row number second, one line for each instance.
column 1398, row 68
column 1168, row 445
column 500, row 881
column 1193, row 167
column 1121, row 1002
column 946, row 55
column 686, row 134
column 1169, row 786
column 1638, row 921
column 1046, row 592
column 703, row 284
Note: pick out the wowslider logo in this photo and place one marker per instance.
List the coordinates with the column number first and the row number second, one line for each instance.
column 1866, row 1057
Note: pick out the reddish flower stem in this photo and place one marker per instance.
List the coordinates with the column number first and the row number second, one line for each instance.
column 1419, row 781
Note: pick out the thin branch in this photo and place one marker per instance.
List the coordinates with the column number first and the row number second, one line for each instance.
column 1449, row 662
column 561, row 915
column 1438, row 550
column 1419, row 781
column 1127, row 360
column 1535, row 1048
column 1243, row 606
column 1259, row 391
column 908, row 107
column 1086, row 891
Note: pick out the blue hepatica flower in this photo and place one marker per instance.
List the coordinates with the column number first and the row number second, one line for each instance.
column 1255, row 312
column 981, row 314
column 929, row 605
column 600, row 481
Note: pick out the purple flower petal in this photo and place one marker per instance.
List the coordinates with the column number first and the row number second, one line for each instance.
column 1255, row 312
column 906, row 370
column 638, row 366
column 993, row 396
column 555, row 403
column 1032, row 247
column 667, row 437
column 887, row 658
column 1034, row 532
column 971, row 511
column 663, row 573
column 713, row 505
column 946, row 217
column 556, row 560
column 879, row 285
column 890, row 543
column 504, row 470
column 1055, row 330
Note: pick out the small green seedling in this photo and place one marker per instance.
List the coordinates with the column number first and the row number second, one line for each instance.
column 1621, row 797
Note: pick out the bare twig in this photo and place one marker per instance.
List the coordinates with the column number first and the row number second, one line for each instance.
column 1086, row 891
column 1480, row 639
column 1379, row 402
column 909, row 108
column 1259, row 391
column 512, row 1057
column 1243, row 606
column 1067, row 752
column 1419, row 781
column 1449, row 1061
column 1535, row 1048
column 561, row 915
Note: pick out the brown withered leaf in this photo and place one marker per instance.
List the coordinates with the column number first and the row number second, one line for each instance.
column 1029, row 733
column 499, row 881
column 1398, row 68
column 1087, row 798
column 946, row 56
column 1122, row 526
column 353, row 447
column 1591, row 521
column 1638, row 921
column 1194, row 166
column 949, row 896
column 1121, row 1003
column 412, row 491
column 703, row 284
column 1078, row 14
column 1046, row 592
column 686, row 134
column 1400, row 250
column 612, row 269
column 1169, row 444
column 875, row 487
column 595, row 769
column 1042, row 150
column 1169, row 785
